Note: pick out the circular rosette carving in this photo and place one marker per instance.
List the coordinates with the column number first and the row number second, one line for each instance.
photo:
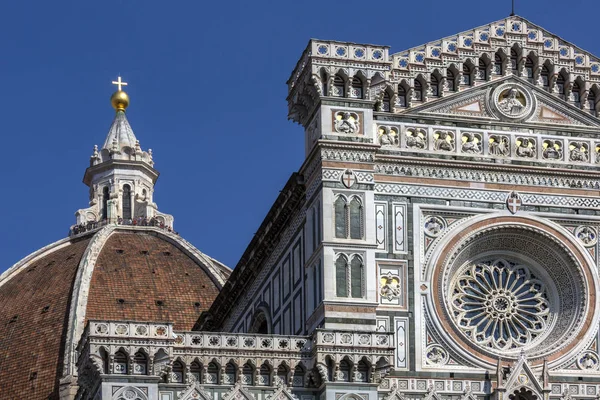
column 500, row 304
column 512, row 101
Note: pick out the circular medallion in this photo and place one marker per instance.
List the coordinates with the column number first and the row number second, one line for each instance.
column 512, row 101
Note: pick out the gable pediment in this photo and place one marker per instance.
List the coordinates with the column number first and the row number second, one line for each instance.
column 492, row 102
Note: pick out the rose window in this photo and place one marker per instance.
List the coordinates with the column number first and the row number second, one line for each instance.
column 500, row 305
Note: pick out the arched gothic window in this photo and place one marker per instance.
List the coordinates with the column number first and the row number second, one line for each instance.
column 120, row 363
column 105, row 196
column 140, row 364
column 345, row 369
column 545, row 77
column 402, row 96
column 177, row 375
column 356, row 277
column 356, row 88
column 514, row 61
column 264, row 376
column 576, row 94
column 435, row 86
column 591, row 102
column 230, row 374
column 482, row 70
column 212, row 374
column 341, row 219
column 362, row 371
column 466, row 77
column 349, row 276
column 341, row 276
column 418, row 94
column 529, row 66
column 451, row 79
column 348, row 218
column 248, row 374
column 282, row 374
column 356, row 222
column 127, row 211
column 339, row 89
column 260, row 323
column 498, row 65
column 298, row 378
column 560, row 86
column 386, row 104
column 196, row 371
column 323, row 76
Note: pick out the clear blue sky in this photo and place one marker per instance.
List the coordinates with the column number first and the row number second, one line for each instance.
column 207, row 86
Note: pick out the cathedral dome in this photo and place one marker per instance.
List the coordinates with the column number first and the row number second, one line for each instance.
column 112, row 273
column 121, row 261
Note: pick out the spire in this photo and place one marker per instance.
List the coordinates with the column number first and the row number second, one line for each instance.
column 121, row 175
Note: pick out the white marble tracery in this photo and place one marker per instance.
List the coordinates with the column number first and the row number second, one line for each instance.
column 500, row 304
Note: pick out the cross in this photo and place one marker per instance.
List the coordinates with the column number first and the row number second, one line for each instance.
column 514, row 202
column 348, row 178
column 513, row 8
column 119, row 83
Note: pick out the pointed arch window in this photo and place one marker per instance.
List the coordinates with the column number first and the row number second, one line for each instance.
column 514, row 61
column 120, row 363
column 282, row 374
column 482, row 70
column 230, row 374
column 545, row 77
column 529, row 68
column 345, row 369
column 348, row 218
column 356, row 88
column 140, row 364
column 248, row 374
column 591, row 102
column 362, row 371
column 323, row 76
column 196, row 371
column 105, row 196
column 212, row 374
column 349, row 276
column 298, row 378
column 264, row 376
column 576, row 94
column 127, row 211
column 560, row 86
column 341, row 276
column 338, row 86
column 435, row 86
column 356, row 277
column 386, row 104
column 418, row 94
column 178, row 369
column 466, row 77
column 451, row 79
column 401, row 96
column 498, row 65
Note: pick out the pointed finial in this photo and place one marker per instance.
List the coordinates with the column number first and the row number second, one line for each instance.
column 119, row 99
column 512, row 13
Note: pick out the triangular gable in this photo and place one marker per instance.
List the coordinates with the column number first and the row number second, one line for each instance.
column 194, row 392
column 475, row 102
column 395, row 394
column 523, row 376
column 282, row 393
column 238, row 393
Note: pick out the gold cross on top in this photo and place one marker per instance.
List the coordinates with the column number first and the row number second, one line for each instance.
column 119, row 83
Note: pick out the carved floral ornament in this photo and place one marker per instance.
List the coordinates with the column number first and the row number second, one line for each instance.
column 509, row 297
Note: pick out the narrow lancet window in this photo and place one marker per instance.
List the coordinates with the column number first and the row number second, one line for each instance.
column 341, row 277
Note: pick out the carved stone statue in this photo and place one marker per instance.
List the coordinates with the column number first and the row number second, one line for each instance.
column 510, row 105
column 346, row 122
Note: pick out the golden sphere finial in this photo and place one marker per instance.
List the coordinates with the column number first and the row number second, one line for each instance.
column 119, row 99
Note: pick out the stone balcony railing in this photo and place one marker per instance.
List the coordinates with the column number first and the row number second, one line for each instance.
column 495, row 146
column 321, row 351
